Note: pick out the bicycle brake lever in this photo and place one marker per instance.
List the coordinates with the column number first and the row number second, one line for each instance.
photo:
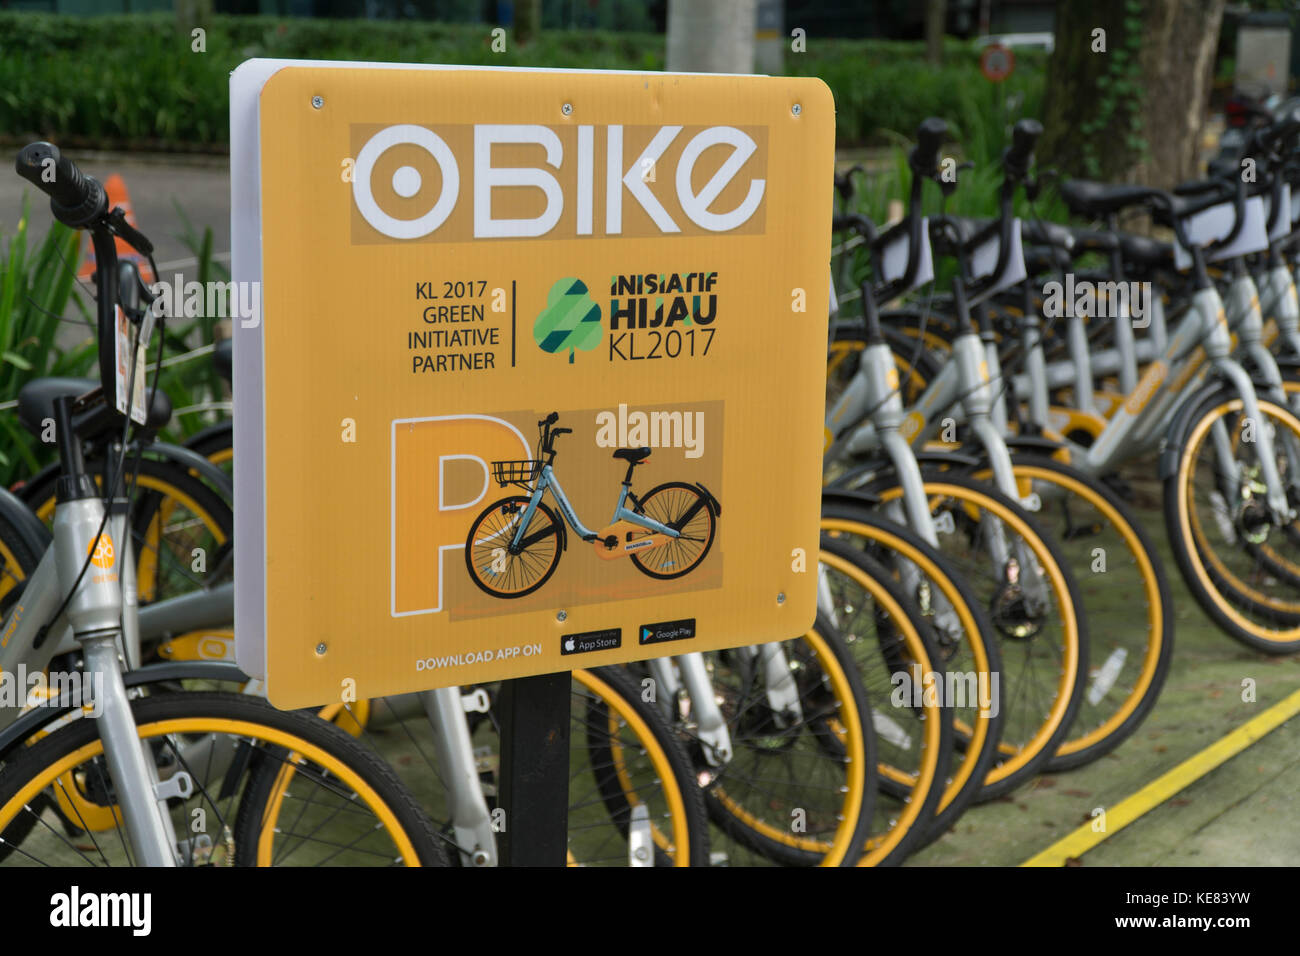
column 117, row 222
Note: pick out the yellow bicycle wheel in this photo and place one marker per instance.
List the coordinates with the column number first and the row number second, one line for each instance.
column 1041, row 626
column 1236, row 563
column 301, row 793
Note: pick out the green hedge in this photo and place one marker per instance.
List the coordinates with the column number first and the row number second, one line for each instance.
column 133, row 82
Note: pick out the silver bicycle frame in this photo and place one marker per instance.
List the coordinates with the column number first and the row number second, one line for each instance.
column 549, row 480
column 101, row 614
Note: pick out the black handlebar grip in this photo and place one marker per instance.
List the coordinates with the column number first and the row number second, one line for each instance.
column 924, row 158
column 1287, row 124
column 75, row 199
column 561, row 431
column 551, row 419
column 1023, row 139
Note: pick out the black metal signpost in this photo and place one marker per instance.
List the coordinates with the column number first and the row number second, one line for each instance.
column 535, row 770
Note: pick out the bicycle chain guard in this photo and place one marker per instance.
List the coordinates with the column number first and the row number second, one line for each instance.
column 622, row 538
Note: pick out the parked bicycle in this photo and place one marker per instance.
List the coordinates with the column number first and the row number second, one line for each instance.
column 515, row 544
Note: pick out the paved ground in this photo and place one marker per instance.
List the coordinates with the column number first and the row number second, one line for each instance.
column 1242, row 813
column 200, row 185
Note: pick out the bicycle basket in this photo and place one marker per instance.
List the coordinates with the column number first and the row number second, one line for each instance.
column 516, row 472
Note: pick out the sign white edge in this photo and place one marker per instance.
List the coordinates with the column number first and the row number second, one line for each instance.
column 249, row 425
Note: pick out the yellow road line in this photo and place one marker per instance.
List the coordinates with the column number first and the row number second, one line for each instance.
column 1162, row 788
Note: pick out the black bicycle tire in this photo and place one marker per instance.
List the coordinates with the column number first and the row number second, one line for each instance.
column 469, row 558
column 33, row 762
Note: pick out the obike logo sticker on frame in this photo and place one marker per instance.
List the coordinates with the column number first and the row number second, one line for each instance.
column 541, row 371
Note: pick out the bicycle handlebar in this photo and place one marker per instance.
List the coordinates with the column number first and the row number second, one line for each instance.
column 857, row 223
column 923, row 160
column 76, row 199
column 1020, row 153
column 79, row 201
column 844, row 182
column 546, row 442
column 924, row 157
column 1287, row 125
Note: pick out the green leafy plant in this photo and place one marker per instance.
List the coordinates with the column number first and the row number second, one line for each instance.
column 37, row 287
column 47, row 328
column 191, row 381
column 1119, row 98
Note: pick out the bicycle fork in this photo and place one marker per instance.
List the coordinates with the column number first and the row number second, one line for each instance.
column 95, row 613
column 980, row 394
column 691, row 677
column 471, row 820
column 875, row 387
column 1218, row 347
column 454, row 749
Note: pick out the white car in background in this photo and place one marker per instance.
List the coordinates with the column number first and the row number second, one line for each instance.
column 1032, row 41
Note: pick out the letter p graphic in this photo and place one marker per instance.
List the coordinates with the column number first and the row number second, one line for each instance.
column 440, row 482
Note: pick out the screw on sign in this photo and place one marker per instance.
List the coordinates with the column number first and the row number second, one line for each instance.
column 997, row 62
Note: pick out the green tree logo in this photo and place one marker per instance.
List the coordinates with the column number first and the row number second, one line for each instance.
column 571, row 320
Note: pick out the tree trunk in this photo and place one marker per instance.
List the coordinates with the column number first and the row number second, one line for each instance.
column 1177, row 71
column 935, row 14
column 192, row 13
column 1133, row 112
column 528, row 20
column 711, row 37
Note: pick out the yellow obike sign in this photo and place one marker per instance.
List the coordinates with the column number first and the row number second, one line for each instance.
column 458, row 263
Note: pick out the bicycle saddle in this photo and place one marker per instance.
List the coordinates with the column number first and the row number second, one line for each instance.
column 1042, row 233
column 633, row 455
column 36, row 401
column 1040, row 259
column 948, row 233
column 222, row 357
column 965, row 227
column 1092, row 240
column 1087, row 198
column 1145, row 251
column 1219, row 185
